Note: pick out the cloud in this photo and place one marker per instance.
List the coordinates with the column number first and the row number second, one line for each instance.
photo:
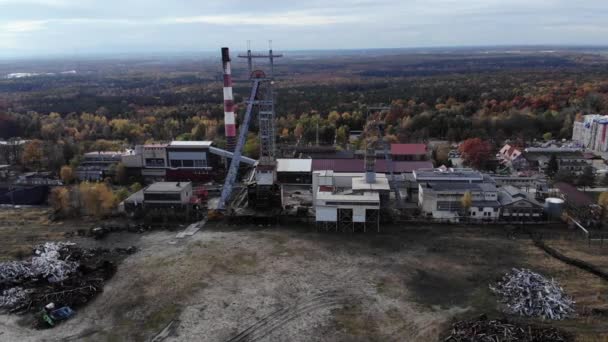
column 49, row 3
column 279, row 19
column 90, row 26
column 23, row 26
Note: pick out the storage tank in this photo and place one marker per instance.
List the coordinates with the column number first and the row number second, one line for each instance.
column 553, row 208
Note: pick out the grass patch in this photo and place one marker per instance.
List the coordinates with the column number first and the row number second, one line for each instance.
column 391, row 288
column 352, row 321
column 158, row 319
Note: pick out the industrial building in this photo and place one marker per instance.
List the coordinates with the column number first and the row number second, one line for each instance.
column 517, row 205
column 294, row 171
column 96, row 166
column 197, row 161
column 190, row 160
column 167, row 200
column 443, row 201
column 349, row 202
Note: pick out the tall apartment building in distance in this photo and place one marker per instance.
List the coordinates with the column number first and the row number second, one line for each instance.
column 592, row 132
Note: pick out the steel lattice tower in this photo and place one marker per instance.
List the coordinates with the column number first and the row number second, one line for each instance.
column 266, row 169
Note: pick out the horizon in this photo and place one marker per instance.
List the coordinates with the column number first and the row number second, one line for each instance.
column 211, row 53
column 90, row 27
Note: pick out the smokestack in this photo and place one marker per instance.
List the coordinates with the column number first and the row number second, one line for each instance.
column 229, row 120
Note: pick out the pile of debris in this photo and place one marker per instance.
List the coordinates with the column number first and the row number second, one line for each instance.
column 484, row 330
column 46, row 263
column 60, row 274
column 527, row 293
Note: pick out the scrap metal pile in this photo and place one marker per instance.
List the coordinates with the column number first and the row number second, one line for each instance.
column 527, row 293
column 58, row 273
column 484, row 330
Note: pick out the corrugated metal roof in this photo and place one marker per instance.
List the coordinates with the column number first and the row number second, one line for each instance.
column 358, row 165
column 294, row 165
column 177, row 143
column 380, row 184
column 408, row 149
column 167, row 186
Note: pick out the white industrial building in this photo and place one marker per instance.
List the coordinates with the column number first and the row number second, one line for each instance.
column 443, row 201
column 347, row 201
column 440, row 192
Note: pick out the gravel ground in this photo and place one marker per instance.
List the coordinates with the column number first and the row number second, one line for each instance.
column 291, row 284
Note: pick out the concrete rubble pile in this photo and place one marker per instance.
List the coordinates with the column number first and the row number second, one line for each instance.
column 527, row 293
column 13, row 298
column 499, row 330
column 57, row 273
column 46, row 263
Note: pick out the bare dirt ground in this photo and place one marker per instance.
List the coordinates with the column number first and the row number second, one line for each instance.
column 290, row 283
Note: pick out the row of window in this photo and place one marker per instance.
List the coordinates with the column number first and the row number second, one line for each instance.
column 485, row 213
column 155, row 162
column 188, row 163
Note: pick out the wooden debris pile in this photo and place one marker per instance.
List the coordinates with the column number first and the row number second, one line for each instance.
column 527, row 293
column 498, row 330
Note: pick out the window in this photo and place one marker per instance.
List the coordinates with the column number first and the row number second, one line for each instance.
column 199, row 163
column 188, row 163
column 176, row 163
column 155, row 162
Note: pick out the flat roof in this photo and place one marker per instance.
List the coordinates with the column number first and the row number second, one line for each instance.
column 190, row 143
column 167, row 186
column 456, row 174
column 294, row 165
column 381, row 183
column 459, row 186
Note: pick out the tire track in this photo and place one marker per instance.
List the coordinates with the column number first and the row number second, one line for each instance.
column 264, row 320
column 283, row 316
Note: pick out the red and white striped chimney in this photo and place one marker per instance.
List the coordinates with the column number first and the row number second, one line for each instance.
column 229, row 120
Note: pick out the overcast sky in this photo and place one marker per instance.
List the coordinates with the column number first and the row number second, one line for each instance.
column 73, row 27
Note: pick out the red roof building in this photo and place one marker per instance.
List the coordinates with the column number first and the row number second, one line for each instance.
column 409, row 151
column 358, row 165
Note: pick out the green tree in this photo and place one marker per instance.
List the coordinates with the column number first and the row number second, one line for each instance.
column 135, row 187
column 604, row 181
column 342, row 135
column 587, row 178
column 552, row 166
column 120, row 174
column 547, row 136
column 252, row 146
column 564, row 176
